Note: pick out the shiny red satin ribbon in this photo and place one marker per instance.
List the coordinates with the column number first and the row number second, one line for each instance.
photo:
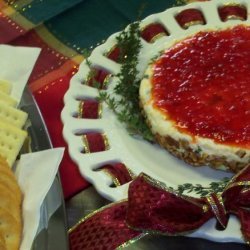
column 151, row 207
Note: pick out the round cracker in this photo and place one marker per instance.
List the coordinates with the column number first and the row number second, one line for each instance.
column 10, row 202
column 10, row 229
column 10, row 208
column 3, row 159
column 2, row 242
column 8, row 179
column 2, row 245
column 4, row 165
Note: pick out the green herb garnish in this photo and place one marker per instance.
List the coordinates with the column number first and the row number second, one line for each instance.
column 124, row 101
column 214, row 187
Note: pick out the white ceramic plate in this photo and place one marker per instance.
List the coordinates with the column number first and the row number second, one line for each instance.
column 139, row 155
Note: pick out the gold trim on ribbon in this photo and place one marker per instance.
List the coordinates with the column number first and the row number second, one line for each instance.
column 233, row 183
column 106, row 81
column 215, row 208
column 239, row 183
column 130, row 172
column 80, row 113
column 157, row 232
column 234, row 17
column 85, row 144
column 219, row 197
column 131, row 241
column 157, row 36
column 99, row 111
column 80, row 109
column 112, row 176
column 191, row 23
column 233, row 4
column 94, row 213
column 106, row 142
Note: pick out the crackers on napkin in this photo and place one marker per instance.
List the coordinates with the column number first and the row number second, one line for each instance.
column 5, row 86
column 12, row 120
column 8, row 99
column 12, row 115
column 11, row 141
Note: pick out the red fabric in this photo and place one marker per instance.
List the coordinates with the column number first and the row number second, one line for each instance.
column 49, row 58
column 9, row 28
column 50, row 101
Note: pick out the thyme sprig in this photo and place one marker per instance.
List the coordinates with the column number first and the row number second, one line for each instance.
column 214, row 187
column 124, row 101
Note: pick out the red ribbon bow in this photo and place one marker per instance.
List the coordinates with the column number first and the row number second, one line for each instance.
column 153, row 207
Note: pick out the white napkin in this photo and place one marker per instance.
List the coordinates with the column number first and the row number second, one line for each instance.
column 16, row 65
column 35, row 174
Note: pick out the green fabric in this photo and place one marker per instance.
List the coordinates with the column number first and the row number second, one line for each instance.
column 82, row 23
column 91, row 21
column 38, row 11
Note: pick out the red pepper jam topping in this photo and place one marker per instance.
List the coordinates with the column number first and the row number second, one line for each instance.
column 203, row 83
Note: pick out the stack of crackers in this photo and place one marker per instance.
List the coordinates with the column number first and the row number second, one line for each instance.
column 12, row 137
column 12, row 120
